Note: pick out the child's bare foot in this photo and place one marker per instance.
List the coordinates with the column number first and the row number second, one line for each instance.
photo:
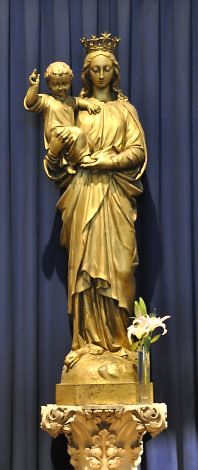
column 70, row 170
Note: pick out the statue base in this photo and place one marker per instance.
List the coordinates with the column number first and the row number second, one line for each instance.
column 104, row 437
column 98, row 377
column 129, row 393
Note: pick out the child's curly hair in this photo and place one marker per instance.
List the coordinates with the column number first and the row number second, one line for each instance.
column 58, row 68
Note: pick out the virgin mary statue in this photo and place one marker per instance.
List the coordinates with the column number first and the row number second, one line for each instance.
column 98, row 207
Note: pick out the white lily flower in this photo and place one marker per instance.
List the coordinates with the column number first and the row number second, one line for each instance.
column 144, row 325
column 138, row 329
column 158, row 322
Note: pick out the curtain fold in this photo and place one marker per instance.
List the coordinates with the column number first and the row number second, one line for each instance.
column 159, row 73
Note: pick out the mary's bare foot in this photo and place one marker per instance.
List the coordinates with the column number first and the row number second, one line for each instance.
column 95, row 350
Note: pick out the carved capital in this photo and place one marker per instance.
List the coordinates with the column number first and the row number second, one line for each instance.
column 104, row 438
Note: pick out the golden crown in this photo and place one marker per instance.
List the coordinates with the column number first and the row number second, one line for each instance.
column 105, row 41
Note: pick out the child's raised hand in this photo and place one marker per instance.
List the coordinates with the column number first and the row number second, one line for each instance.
column 34, row 78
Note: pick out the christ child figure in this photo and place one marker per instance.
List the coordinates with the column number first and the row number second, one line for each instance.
column 62, row 139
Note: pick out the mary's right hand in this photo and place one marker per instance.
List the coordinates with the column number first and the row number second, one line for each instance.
column 102, row 162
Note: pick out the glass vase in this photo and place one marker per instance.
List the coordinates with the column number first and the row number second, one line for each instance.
column 143, row 370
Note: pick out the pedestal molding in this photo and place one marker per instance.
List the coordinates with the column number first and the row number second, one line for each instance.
column 104, row 438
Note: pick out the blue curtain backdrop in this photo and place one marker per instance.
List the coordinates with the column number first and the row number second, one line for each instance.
column 159, row 64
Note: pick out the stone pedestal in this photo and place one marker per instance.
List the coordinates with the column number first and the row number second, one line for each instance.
column 104, row 437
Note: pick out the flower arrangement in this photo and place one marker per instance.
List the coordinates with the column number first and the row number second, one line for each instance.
column 141, row 331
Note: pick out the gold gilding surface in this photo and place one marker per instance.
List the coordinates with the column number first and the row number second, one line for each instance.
column 102, row 394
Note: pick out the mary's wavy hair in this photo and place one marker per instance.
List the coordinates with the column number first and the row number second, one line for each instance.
column 87, row 83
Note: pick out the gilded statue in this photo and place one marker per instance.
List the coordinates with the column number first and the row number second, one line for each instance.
column 100, row 177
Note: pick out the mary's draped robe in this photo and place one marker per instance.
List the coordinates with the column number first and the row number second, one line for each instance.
column 98, row 213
